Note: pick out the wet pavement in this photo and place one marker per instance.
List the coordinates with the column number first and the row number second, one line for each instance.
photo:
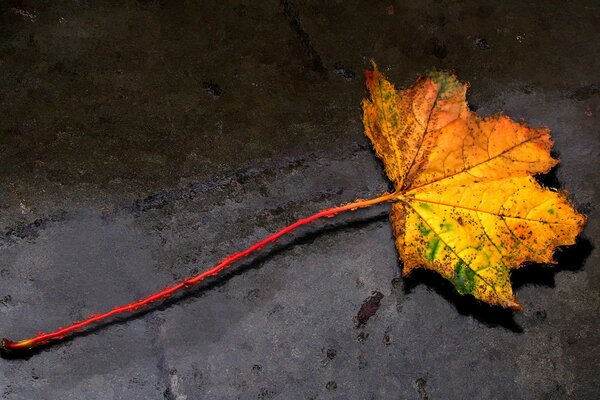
column 141, row 141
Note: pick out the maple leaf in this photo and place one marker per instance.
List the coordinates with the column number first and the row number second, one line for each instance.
column 468, row 206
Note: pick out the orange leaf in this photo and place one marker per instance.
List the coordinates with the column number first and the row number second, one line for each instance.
column 468, row 206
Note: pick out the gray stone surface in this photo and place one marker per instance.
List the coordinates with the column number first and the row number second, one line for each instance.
column 141, row 141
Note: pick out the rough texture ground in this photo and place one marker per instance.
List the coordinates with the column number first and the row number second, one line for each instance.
column 141, row 141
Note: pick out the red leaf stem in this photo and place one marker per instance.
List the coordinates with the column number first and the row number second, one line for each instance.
column 61, row 333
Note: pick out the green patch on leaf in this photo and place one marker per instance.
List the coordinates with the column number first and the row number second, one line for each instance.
column 432, row 248
column 464, row 278
column 425, row 206
column 448, row 83
column 447, row 227
column 423, row 229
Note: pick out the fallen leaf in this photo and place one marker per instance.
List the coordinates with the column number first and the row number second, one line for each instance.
column 468, row 206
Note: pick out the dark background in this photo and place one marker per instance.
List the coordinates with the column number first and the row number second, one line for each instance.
column 141, row 141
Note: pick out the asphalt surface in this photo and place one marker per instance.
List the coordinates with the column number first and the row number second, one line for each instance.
column 141, row 141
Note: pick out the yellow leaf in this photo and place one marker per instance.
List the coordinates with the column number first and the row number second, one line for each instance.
column 468, row 206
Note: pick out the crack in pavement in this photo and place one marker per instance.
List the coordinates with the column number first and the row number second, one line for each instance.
column 292, row 16
column 158, row 200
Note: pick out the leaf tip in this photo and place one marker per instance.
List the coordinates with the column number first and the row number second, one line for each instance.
column 513, row 305
column 371, row 74
column 447, row 81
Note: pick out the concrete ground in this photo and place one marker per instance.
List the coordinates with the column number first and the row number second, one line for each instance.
column 141, row 141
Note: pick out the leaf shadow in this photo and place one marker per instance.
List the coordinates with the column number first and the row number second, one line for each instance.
column 491, row 316
column 568, row 258
column 550, row 178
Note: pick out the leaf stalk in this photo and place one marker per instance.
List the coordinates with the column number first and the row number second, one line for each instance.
column 78, row 326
